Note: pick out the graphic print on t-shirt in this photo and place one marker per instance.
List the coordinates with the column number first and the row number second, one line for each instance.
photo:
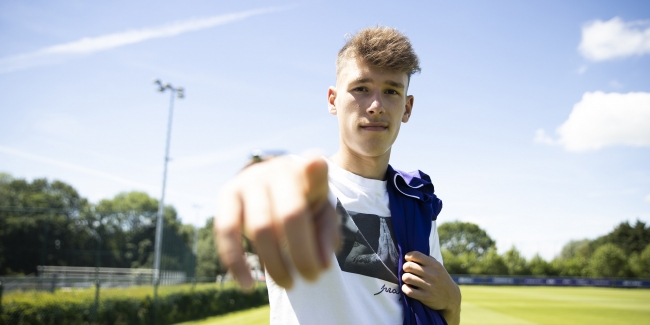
column 368, row 247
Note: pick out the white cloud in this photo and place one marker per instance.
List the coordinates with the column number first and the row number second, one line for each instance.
column 604, row 119
column 615, row 38
column 88, row 45
column 647, row 198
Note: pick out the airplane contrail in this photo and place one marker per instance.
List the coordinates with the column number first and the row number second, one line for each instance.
column 88, row 45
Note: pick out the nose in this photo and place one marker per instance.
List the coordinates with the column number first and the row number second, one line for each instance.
column 376, row 105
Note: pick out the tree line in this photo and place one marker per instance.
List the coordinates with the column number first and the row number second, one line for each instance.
column 624, row 252
column 468, row 249
column 49, row 223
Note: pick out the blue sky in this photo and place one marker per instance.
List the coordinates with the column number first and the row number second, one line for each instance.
column 532, row 119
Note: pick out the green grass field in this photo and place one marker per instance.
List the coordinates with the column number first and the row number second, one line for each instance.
column 520, row 305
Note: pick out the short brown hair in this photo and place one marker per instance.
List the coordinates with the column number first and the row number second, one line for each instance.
column 381, row 47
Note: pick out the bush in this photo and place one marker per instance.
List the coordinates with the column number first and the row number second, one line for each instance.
column 128, row 306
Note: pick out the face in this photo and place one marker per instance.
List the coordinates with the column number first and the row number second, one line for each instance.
column 370, row 105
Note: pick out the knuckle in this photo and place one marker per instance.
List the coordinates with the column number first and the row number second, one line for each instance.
column 261, row 231
column 225, row 233
column 230, row 257
column 283, row 279
column 305, row 266
column 293, row 215
column 307, row 269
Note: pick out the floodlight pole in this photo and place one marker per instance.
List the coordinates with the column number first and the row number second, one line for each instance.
column 175, row 92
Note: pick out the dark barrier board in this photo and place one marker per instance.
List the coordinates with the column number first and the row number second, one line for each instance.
column 550, row 281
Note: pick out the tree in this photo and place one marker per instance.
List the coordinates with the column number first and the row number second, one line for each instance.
column 574, row 258
column 41, row 223
column 5, row 178
column 576, row 266
column 515, row 263
column 126, row 225
column 538, row 266
column 49, row 223
column 490, row 264
column 576, row 248
column 628, row 238
column 640, row 263
column 208, row 263
column 459, row 264
column 459, row 237
column 608, row 261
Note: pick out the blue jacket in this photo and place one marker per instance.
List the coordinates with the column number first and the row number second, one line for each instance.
column 413, row 206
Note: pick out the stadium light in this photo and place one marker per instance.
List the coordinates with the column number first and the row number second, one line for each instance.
column 175, row 92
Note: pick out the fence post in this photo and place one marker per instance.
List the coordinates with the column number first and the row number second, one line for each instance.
column 46, row 231
column 154, row 308
column 96, row 306
column 53, row 285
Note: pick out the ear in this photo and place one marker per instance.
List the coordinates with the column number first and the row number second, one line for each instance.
column 408, row 109
column 331, row 100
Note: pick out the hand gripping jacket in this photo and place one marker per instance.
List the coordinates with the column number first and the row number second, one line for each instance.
column 413, row 205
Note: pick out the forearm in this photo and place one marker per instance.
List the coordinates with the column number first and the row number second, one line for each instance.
column 452, row 312
column 451, row 316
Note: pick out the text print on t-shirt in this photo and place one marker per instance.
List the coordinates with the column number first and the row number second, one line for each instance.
column 368, row 247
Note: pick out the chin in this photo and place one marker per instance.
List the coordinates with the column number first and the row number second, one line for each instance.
column 372, row 151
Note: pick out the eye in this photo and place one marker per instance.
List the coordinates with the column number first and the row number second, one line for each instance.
column 391, row 92
column 360, row 89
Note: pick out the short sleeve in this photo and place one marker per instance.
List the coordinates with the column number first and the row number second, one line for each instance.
column 434, row 243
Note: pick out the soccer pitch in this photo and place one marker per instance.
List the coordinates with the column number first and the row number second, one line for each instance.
column 486, row 305
column 553, row 305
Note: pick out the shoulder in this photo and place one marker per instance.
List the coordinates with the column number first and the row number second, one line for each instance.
column 415, row 184
column 410, row 183
column 413, row 178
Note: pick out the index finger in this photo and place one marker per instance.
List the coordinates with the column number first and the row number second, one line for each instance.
column 297, row 225
column 228, row 239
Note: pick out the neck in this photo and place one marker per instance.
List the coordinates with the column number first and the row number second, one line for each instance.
column 367, row 167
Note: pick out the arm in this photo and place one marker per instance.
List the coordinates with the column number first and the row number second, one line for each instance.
column 281, row 205
column 427, row 281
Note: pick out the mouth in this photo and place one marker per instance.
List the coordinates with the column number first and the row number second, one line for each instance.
column 375, row 126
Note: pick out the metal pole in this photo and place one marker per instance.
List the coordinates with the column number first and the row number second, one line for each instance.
column 161, row 204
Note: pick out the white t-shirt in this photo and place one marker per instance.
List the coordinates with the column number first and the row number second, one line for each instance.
column 360, row 287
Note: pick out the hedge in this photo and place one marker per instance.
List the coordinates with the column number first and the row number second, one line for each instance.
column 124, row 306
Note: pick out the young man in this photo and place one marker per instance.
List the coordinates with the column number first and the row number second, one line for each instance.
column 346, row 240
